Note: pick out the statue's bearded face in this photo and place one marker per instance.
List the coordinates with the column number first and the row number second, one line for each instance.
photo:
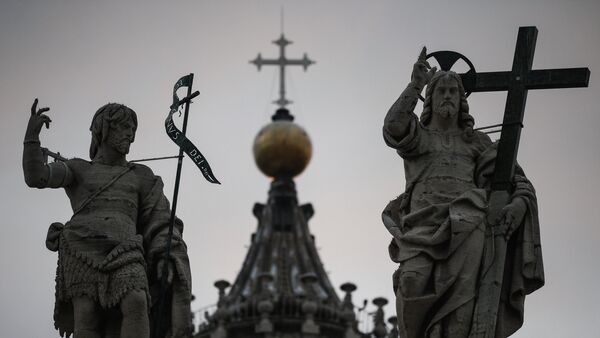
column 446, row 98
column 121, row 135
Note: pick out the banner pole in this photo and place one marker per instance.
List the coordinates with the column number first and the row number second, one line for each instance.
column 160, row 329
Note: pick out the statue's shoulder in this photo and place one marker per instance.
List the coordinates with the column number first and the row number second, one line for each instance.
column 482, row 139
column 142, row 170
column 78, row 161
column 146, row 178
column 78, row 164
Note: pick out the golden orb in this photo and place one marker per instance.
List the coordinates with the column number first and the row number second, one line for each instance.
column 282, row 149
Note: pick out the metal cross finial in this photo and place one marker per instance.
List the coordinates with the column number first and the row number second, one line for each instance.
column 282, row 62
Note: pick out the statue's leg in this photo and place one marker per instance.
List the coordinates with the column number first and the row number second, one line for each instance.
column 414, row 282
column 181, row 313
column 134, row 309
column 458, row 323
column 415, row 275
column 87, row 316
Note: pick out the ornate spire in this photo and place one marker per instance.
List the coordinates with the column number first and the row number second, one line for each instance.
column 282, row 289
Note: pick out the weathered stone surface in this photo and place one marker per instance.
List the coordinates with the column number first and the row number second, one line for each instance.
column 111, row 250
column 440, row 232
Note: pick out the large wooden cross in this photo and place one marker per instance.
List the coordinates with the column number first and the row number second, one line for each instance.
column 517, row 82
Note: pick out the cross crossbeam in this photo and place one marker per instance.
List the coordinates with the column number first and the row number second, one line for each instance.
column 282, row 62
column 536, row 79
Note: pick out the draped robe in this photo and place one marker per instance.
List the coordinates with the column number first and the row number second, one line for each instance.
column 438, row 226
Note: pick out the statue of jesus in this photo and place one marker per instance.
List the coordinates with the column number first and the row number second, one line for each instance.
column 439, row 224
column 111, row 251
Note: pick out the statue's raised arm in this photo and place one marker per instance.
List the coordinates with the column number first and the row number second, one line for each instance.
column 37, row 172
column 397, row 120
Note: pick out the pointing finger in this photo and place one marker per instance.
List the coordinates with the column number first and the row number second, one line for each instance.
column 34, row 106
column 423, row 54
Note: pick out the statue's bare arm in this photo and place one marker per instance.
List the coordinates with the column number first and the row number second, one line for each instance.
column 397, row 120
column 37, row 173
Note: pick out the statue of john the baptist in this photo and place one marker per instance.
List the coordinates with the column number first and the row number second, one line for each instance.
column 111, row 251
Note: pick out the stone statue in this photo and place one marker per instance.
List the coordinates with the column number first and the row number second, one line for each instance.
column 439, row 223
column 111, row 251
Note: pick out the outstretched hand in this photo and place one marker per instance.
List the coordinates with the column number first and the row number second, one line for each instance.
column 37, row 120
column 422, row 71
column 511, row 216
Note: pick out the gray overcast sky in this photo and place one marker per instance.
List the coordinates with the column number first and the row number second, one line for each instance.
column 77, row 55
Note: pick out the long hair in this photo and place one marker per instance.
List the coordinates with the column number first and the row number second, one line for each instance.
column 465, row 120
column 110, row 112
